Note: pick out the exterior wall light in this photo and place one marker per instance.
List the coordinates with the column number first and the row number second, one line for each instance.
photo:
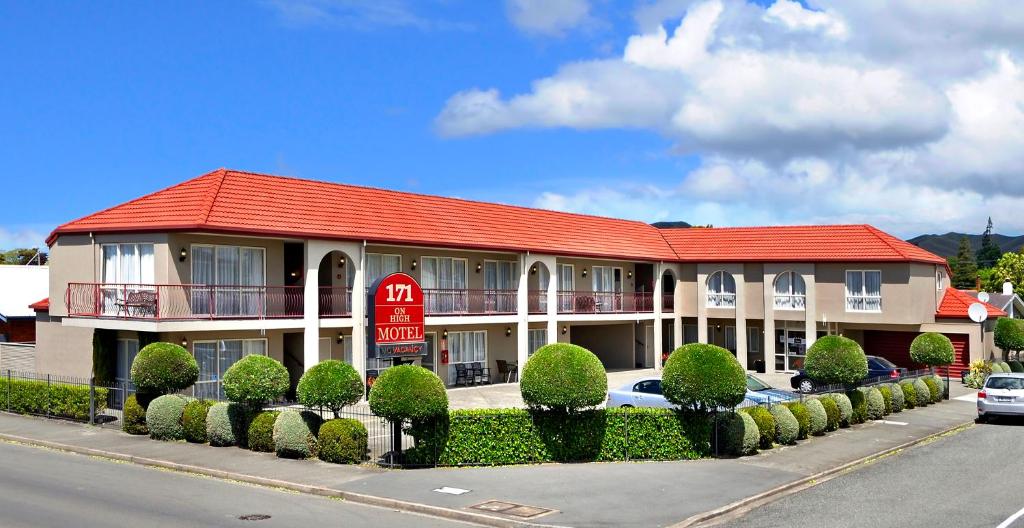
column 479, row 267
column 629, row 274
column 341, row 262
column 182, row 255
column 584, row 273
column 508, row 331
column 341, row 338
column 533, row 269
column 184, row 342
column 565, row 330
column 444, row 333
column 413, row 264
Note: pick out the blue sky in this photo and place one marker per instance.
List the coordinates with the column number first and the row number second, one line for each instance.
column 102, row 103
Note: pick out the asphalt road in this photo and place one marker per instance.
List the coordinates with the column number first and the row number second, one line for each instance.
column 44, row 488
column 974, row 478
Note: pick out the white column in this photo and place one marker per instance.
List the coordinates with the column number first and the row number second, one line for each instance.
column 677, row 309
column 522, row 314
column 552, row 286
column 311, row 304
column 768, row 343
column 358, row 256
column 810, row 308
column 702, row 305
column 741, row 316
column 659, row 329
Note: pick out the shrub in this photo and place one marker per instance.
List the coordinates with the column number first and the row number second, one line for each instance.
column 1009, row 334
column 836, row 359
column 765, row 421
column 934, row 392
column 786, row 426
column 832, row 414
column 875, row 404
column 740, row 433
column 560, row 376
column 342, row 441
column 886, row 392
column 845, row 408
column 227, row 424
column 803, row 418
column 133, row 417
column 255, row 380
column 163, row 417
column 909, row 394
column 330, row 384
column 980, row 371
column 703, row 377
column 163, row 368
column 860, row 406
column 1005, row 366
column 940, row 384
column 261, row 432
column 1016, row 366
column 897, row 397
column 922, row 392
column 55, row 399
column 932, row 349
column 817, row 417
column 408, row 392
column 295, row 433
column 193, row 420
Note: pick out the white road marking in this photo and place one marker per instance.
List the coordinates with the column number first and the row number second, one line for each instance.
column 452, row 491
column 1009, row 521
column 890, row 422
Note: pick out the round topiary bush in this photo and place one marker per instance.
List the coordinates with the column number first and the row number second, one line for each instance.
column 227, row 424
column 845, row 408
column 817, row 417
column 193, row 420
column 897, row 397
column 1016, row 366
column 408, row 392
column 860, row 406
column 932, row 349
column 342, row 441
column 739, row 433
column 133, row 420
column 163, row 417
column 1009, row 334
column 832, row 414
column 261, row 432
column 941, row 385
column 765, row 425
column 163, row 368
column 255, row 380
column 996, row 368
column 886, row 392
column 331, row 385
column 934, row 392
column 703, row 377
column 564, row 377
column 1005, row 366
column 836, row 359
column 803, row 418
column 295, row 433
column 922, row 393
column 875, row 404
column 786, row 426
column 909, row 394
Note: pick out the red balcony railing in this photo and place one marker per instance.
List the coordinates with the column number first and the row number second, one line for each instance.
column 604, row 302
column 469, row 302
column 183, row 301
column 668, row 302
column 335, row 301
column 537, row 302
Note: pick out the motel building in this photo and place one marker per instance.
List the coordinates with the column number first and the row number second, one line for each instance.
column 233, row 263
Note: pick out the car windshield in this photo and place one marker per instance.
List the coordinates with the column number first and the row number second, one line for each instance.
column 885, row 363
column 1005, row 383
column 754, row 384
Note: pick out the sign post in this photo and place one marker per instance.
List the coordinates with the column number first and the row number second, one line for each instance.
column 395, row 315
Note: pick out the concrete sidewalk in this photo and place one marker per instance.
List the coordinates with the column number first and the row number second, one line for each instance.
column 606, row 494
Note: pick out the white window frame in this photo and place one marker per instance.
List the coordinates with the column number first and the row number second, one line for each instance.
column 790, row 301
column 138, row 254
column 566, row 297
column 220, row 375
column 216, row 281
column 369, row 280
column 940, row 279
column 864, row 299
column 607, row 300
column 452, row 361
column 723, row 298
column 113, row 294
column 532, row 339
column 246, row 294
column 120, row 359
column 445, row 300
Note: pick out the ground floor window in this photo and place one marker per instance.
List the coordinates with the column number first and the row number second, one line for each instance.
column 690, row 334
column 536, row 338
column 215, row 357
column 465, row 348
column 791, row 348
column 126, row 351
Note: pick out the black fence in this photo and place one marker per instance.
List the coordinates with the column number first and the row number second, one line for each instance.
column 869, row 382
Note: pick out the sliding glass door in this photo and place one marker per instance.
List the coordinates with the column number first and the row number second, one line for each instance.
column 228, row 280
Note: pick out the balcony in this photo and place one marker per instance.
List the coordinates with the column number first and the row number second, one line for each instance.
column 604, row 302
column 182, row 302
column 469, row 302
column 668, row 303
column 335, row 301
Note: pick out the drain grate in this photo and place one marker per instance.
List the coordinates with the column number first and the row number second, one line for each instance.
column 254, row 517
column 512, row 509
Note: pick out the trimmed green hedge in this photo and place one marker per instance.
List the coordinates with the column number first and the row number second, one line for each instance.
column 786, row 426
column 922, row 392
column 261, row 432
column 996, row 368
column 227, row 424
column 295, row 434
column 941, row 384
column 163, row 368
column 934, row 392
column 833, row 416
column 803, row 418
column 765, row 424
column 55, row 399
column 932, row 349
column 193, row 420
column 703, row 377
column 886, row 392
column 860, row 406
column 1006, row 367
column 255, row 380
column 739, row 432
column 133, row 416
column 330, row 384
column 818, row 417
column 342, row 441
column 408, row 392
column 1016, row 366
column 565, row 377
column 875, row 404
column 836, row 359
column 897, row 397
column 845, row 408
column 909, row 394
column 163, row 417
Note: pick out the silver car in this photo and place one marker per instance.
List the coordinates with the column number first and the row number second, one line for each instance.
column 646, row 392
column 1002, row 395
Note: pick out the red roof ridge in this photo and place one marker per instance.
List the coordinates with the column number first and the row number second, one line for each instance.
column 40, row 305
column 764, row 227
column 222, row 173
column 955, row 302
column 884, row 238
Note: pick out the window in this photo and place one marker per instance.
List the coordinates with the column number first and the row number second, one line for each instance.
column 501, row 280
column 126, row 351
column 566, row 285
column 607, row 288
column 536, row 338
column 730, row 339
column 940, row 279
column 790, row 291
column 236, row 277
column 215, row 357
column 863, row 291
column 444, row 284
column 690, row 334
column 127, row 268
column 466, row 347
column 721, row 290
column 378, row 265
column 648, row 387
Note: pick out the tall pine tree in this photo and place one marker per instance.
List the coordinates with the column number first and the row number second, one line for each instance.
column 988, row 254
column 963, row 266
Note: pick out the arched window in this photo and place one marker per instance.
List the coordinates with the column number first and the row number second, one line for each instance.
column 790, row 291
column 721, row 290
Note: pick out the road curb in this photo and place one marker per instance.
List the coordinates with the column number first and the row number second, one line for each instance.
column 358, row 498
column 805, row 482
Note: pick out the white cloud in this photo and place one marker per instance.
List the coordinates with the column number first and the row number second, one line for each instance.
column 363, row 15
column 548, row 17
column 907, row 114
column 22, row 236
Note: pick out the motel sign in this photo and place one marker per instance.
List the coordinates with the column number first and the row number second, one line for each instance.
column 395, row 311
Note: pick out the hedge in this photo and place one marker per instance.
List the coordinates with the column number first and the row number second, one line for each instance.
column 408, row 392
column 765, row 424
column 860, row 406
column 55, row 399
column 909, row 394
column 255, row 380
column 566, row 377
column 1016, row 366
column 803, row 418
column 875, row 404
column 342, row 441
column 817, row 417
column 227, row 424
column 701, row 377
column 295, row 434
column 521, row 436
column 833, row 416
column 163, row 417
column 193, row 420
column 786, row 426
column 163, row 368
column 932, row 348
column 133, row 416
column 261, row 432
column 1006, row 367
column 923, row 393
column 996, row 368
column 740, row 433
column 330, row 384
column 897, row 397
column 934, row 392
column 886, row 392
column 845, row 408
column 836, row 359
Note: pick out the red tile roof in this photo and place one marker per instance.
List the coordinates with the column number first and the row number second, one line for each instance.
column 955, row 303
column 823, row 243
column 41, row 305
column 231, row 201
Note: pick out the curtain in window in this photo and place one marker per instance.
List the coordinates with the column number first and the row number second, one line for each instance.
column 378, row 266
column 147, row 273
column 730, row 338
column 799, row 286
column 253, row 294
column 543, row 280
column 129, row 268
column 873, row 288
column 715, row 284
column 227, row 265
column 783, row 284
column 854, row 283
column 203, row 273
column 537, row 337
column 110, row 264
column 126, row 351
column 206, row 356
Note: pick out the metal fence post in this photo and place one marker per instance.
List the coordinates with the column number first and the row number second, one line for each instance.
column 92, row 401
column 625, row 426
column 8, row 390
column 48, row 404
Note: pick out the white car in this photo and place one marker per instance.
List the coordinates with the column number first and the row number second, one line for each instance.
column 646, row 392
column 1002, row 395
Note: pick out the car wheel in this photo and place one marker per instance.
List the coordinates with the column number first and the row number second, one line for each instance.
column 981, row 419
column 806, row 386
column 625, row 406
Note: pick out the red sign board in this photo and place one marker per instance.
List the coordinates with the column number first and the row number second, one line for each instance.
column 395, row 312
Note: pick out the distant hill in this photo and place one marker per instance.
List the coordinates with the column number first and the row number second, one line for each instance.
column 946, row 245
column 669, row 225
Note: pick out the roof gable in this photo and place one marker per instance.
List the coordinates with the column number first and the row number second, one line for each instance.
column 955, row 303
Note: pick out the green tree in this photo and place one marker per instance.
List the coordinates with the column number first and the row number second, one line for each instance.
column 988, row 254
column 1010, row 267
column 23, row 256
column 963, row 266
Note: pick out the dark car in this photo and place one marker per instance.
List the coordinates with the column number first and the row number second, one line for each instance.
column 878, row 367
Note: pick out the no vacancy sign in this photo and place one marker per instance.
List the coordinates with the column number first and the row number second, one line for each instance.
column 395, row 311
